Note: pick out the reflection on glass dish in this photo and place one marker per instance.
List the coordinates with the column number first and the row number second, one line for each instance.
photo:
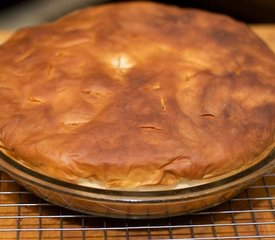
column 136, row 204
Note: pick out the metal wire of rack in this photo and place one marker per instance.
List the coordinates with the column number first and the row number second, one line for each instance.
column 250, row 215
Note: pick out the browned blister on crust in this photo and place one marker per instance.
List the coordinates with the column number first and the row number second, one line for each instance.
column 137, row 94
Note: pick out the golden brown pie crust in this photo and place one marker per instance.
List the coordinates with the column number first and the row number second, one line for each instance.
column 137, row 94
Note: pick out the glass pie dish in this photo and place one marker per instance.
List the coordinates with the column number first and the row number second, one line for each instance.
column 135, row 204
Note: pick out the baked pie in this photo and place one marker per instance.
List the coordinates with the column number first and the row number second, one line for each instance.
column 137, row 95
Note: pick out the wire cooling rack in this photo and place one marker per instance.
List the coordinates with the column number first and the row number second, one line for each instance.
column 250, row 215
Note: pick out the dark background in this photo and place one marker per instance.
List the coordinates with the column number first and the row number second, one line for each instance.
column 249, row 11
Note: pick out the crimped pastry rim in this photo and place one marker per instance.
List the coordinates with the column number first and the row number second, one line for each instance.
column 269, row 161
